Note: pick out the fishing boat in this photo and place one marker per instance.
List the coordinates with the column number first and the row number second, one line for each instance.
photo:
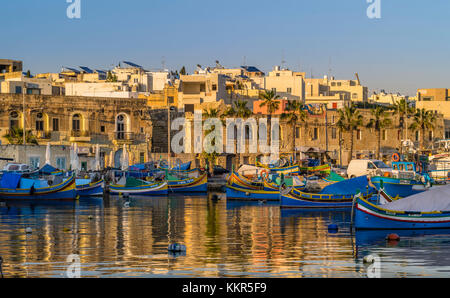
column 134, row 186
column 234, row 192
column 180, row 167
column 199, row 184
column 239, row 181
column 18, row 187
column 337, row 195
column 86, row 188
column 426, row 210
column 293, row 169
column 397, row 187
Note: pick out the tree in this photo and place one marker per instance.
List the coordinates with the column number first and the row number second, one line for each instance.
column 240, row 110
column 28, row 75
column 380, row 120
column 349, row 121
column 403, row 110
column 211, row 157
column 295, row 112
column 110, row 77
column 183, row 71
column 422, row 121
column 271, row 101
column 15, row 136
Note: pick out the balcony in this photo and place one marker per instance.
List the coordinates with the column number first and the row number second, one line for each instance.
column 43, row 135
column 80, row 136
column 128, row 137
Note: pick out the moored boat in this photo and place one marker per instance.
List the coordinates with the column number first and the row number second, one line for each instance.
column 400, row 188
column 140, row 187
column 15, row 186
column 426, row 210
column 85, row 188
column 337, row 195
column 199, row 184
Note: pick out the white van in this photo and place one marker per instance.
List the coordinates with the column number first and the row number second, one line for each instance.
column 370, row 167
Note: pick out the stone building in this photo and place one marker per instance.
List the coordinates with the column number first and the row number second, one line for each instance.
column 87, row 121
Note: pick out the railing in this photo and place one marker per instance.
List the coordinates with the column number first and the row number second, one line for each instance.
column 128, row 136
column 77, row 134
column 43, row 135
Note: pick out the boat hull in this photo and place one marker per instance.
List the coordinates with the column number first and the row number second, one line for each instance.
column 292, row 200
column 190, row 185
column 371, row 217
column 91, row 189
column 398, row 187
column 251, row 194
column 63, row 191
column 143, row 190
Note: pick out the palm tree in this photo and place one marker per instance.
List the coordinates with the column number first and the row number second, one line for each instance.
column 271, row 101
column 295, row 113
column 211, row 157
column 240, row 110
column 380, row 120
column 403, row 110
column 422, row 121
column 15, row 136
column 349, row 120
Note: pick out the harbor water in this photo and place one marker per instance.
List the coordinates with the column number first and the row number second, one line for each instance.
column 129, row 237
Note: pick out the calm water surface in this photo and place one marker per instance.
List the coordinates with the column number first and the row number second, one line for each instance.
column 119, row 237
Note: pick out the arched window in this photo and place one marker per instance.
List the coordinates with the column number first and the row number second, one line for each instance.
column 13, row 120
column 39, row 122
column 76, row 122
column 121, row 127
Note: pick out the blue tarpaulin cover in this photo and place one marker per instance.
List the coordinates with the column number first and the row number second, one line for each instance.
column 47, row 169
column 313, row 162
column 348, row 187
column 10, row 180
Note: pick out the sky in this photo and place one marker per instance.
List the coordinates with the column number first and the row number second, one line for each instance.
column 406, row 49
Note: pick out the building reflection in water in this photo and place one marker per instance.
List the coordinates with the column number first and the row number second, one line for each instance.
column 223, row 239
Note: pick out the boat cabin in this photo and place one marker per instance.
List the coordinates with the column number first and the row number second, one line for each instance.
column 16, row 168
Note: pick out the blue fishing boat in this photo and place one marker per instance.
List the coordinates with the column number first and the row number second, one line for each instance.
column 234, row 192
column 181, row 167
column 199, row 184
column 337, row 195
column 86, row 188
column 400, row 188
column 16, row 186
column 426, row 210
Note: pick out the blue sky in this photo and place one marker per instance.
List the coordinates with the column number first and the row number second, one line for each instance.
column 408, row 48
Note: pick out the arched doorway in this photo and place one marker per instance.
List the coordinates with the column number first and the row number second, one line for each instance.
column 118, row 159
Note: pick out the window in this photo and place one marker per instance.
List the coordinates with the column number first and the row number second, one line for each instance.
column 359, row 134
column 76, row 122
column 371, row 166
column 278, row 74
column 14, row 120
column 61, row 163
column 214, row 87
column 189, row 108
column 430, row 136
column 84, row 165
column 170, row 99
column 333, row 84
column 315, row 133
column 55, row 122
column 384, row 135
column 34, row 162
column 39, row 122
column 355, row 95
column 246, row 160
column 289, row 90
column 297, row 132
column 18, row 90
column 274, row 90
column 447, row 134
column 339, row 84
column 102, row 128
column 247, row 132
column 417, row 136
column 141, row 157
column 142, row 130
column 333, row 133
